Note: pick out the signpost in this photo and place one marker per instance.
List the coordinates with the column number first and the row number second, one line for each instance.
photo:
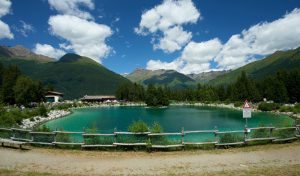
column 246, row 112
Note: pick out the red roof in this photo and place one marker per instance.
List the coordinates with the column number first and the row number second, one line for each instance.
column 98, row 97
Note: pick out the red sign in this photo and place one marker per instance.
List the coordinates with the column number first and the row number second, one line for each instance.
column 246, row 105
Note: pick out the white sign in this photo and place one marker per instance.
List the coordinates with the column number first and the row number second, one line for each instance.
column 247, row 113
column 246, row 110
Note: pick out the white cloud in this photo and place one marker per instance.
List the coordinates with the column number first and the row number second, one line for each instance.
column 72, row 7
column 195, row 58
column 168, row 19
column 157, row 64
column 174, row 38
column 86, row 38
column 48, row 50
column 261, row 39
column 4, row 7
column 5, row 31
column 203, row 52
column 195, row 68
column 178, row 65
column 4, row 28
column 24, row 29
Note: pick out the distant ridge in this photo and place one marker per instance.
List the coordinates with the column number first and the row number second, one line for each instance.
column 170, row 78
column 19, row 51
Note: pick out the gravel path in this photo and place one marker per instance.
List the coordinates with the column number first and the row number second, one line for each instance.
column 142, row 163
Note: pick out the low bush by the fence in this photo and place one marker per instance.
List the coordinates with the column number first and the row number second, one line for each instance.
column 228, row 138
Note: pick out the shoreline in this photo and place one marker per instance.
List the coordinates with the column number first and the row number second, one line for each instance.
column 39, row 120
column 55, row 114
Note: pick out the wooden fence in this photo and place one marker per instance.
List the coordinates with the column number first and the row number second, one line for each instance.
column 153, row 140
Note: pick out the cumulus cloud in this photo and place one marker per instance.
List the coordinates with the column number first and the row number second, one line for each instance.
column 195, row 68
column 86, row 38
column 173, row 39
column 79, row 30
column 4, row 28
column 261, row 39
column 168, row 18
column 195, row 58
column 72, row 7
column 5, row 31
column 203, row 52
column 158, row 64
column 48, row 50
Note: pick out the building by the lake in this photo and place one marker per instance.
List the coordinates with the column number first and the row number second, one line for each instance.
column 54, row 97
column 99, row 98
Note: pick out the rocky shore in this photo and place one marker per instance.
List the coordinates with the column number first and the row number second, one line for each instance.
column 54, row 114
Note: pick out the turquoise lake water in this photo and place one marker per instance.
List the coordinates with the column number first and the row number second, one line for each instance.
column 172, row 119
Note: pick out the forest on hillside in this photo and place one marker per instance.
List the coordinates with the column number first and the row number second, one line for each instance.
column 281, row 88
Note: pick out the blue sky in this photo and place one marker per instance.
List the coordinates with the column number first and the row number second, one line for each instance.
column 187, row 36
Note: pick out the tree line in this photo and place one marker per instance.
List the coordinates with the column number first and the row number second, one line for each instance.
column 16, row 88
column 283, row 87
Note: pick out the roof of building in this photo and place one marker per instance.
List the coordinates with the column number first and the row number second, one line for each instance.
column 97, row 97
column 54, row 93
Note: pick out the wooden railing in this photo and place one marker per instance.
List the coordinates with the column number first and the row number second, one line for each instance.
column 153, row 140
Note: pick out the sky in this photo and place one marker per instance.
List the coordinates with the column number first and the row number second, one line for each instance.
column 190, row 36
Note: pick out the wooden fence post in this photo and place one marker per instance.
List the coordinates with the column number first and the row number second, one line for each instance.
column 115, row 136
column 216, row 135
column 14, row 133
column 245, row 134
column 182, row 135
column 55, row 135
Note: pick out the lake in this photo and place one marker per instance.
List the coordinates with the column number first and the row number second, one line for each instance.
column 172, row 119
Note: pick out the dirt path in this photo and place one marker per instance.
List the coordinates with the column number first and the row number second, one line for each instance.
column 142, row 163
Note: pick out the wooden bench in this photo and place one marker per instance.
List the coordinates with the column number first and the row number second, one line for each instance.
column 11, row 143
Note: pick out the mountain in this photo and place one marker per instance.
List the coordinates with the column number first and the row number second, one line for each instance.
column 73, row 75
column 161, row 77
column 20, row 52
column 280, row 60
column 206, row 76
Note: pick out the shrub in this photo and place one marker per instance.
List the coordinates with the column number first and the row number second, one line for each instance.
column 62, row 106
column 230, row 138
column 268, row 106
column 238, row 104
column 286, row 109
column 297, row 121
column 63, row 137
column 43, row 128
column 297, row 108
column 139, row 126
column 284, row 133
column 260, row 133
column 156, row 128
column 42, row 111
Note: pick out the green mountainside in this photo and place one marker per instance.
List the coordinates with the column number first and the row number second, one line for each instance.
column 280, row 60
column 170, row 78
column 73, row 75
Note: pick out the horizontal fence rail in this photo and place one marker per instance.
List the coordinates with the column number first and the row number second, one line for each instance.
column 152, row 140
